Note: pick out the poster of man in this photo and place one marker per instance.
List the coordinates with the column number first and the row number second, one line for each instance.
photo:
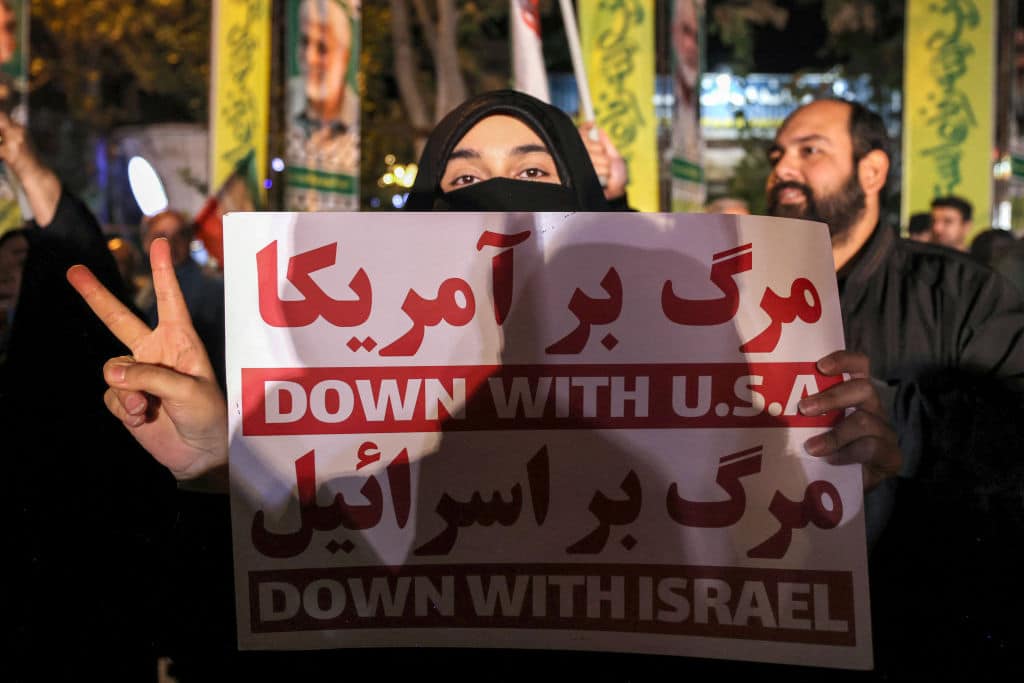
column 323, row 105
column 12, row 59
column 13, row 89
column 686, row 149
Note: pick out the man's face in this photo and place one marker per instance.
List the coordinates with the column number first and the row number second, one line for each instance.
column 176, row 232
column 325, row 46
column 949, row 227
column 813, row 175
column 8, row 33
column 685, row 42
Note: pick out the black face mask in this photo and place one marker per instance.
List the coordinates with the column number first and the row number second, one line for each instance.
column 507, row 194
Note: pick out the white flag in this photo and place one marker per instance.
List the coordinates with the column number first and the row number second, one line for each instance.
column 528, row 72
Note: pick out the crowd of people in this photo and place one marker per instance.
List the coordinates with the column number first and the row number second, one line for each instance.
column 934, row 356
column 951, row 224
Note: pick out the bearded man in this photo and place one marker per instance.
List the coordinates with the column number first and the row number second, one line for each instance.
column 945, row 340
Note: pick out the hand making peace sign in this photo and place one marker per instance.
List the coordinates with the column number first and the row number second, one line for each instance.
column 165, row 393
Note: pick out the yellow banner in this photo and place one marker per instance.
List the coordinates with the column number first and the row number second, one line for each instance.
column 949, row 86
column 617, row 38
column 240, row 94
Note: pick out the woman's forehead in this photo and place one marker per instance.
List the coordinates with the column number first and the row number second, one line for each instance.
column 499, row 131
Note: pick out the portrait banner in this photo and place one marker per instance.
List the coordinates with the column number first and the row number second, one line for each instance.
column 686, row 151
column 618, row 45
column 240, row 100
column 14, row 56
column 529, row 431
column 949, row 78
column 322, row 118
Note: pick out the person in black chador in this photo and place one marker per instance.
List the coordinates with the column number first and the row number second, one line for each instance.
column 87, row 511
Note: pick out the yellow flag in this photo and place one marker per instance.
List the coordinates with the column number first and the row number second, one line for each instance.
column 947, row 114
column 240, row 94
column 618, row 44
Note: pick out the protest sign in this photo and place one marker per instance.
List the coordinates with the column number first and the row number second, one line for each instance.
column 539, row 431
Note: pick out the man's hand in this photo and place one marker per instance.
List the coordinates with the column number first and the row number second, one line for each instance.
column 864, row 435
column 607, row 161
column 165, row 393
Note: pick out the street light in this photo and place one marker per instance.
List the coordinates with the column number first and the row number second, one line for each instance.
column 146, row 186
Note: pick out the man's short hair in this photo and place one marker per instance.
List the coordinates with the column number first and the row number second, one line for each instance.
column 149, row 221
column 866, row 128
column 919, row 223
column 954, row 202
column 867, row 131
column 991, row 243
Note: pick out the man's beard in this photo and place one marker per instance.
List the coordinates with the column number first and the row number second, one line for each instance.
column 839, row 210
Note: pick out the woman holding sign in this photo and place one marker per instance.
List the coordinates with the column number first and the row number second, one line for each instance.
column 501, row 151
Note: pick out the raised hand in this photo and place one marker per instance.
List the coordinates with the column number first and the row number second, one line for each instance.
column 41, row 185
column 165, row 393
column 864, row 435
column 608, row 163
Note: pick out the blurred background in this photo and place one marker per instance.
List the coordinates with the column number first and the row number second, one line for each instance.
column 106, row 81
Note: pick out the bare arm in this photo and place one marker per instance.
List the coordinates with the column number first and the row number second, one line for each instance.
column 607, row 161
column 41, row 185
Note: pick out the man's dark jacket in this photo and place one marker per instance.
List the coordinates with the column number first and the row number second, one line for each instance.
column 946, row 337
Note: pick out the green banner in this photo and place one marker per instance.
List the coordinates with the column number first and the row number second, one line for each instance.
column 1017, row 166
column 687, row 171
column 948, row 108
column 312, row 179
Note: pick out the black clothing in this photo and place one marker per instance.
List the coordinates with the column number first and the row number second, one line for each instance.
column 88, row 510
column 552, row 126
column 1010, row 264
column 946, row 335
column 916, row 308
column 506, row 194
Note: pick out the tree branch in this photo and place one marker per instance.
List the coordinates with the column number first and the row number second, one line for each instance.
column 451, row 86
column 406, row 68
column 426, row 25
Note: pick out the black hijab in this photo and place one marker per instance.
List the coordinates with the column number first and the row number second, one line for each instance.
column 580, row 189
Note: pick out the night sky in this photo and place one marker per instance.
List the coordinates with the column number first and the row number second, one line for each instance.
column 794, row 48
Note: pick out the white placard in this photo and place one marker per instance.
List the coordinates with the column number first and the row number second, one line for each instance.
column 539, row 431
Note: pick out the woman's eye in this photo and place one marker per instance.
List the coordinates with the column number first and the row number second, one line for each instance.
column 534, row 173
column 461, row 180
